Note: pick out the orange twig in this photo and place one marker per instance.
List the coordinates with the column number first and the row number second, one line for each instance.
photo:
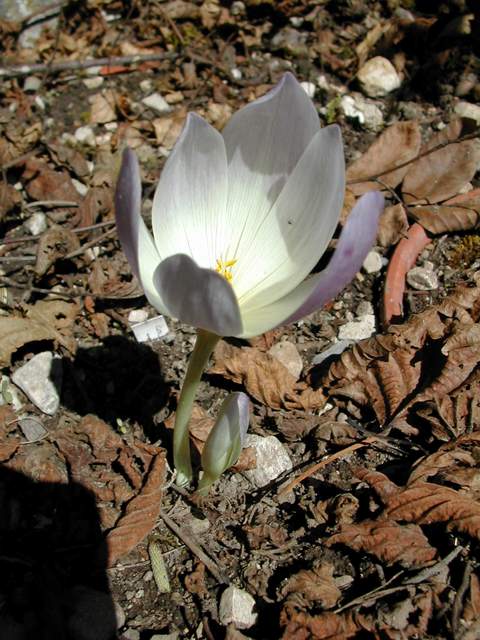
column 323, row 463
column 403, row 259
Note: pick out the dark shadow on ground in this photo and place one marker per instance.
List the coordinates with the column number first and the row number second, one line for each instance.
column 119, row 379
column 53, row 581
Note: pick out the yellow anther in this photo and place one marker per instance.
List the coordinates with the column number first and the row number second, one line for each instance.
column 224, row 268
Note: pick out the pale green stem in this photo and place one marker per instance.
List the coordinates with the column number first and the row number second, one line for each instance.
column 204, row 346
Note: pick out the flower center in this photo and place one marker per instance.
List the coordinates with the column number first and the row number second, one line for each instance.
column 224, row 268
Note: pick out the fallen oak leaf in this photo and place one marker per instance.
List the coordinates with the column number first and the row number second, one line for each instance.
column 316, row 585
column 388, row 541
column 140, row 514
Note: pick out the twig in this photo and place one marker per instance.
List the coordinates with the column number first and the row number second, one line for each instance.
column 457, row 604
column 435, row 569
column 88, row 245
column 195, row 549
column 323, row 463
column 51, row 203
column 427, row 152
column 23, row 239
column 19, row 70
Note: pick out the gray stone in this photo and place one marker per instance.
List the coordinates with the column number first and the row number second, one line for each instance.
column 39, row 380
column 157, row 103
column 93, row 83
column 309, row 88
column 373, row 262
column 236, row 606
column 291, row 41
column 272, row 459
column 32, row 84
column 359, row 329
column 18, row 10
column 333, row 350
column 364, row 308
column 238, row 8
column 286, row 353
column 9, row 393
column 378, row 77
column 131, row 634
column 422, row 279
column 85, row 135
column 468, row 110
column 356, row 107
column 36, row 223
column 166, row 636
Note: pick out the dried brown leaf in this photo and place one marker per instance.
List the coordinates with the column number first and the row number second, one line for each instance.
column 140, row 514
column 314, row 586
column 44, row 321
column 428, row 503
column 393, row 225
column 442, row 174
column 258, row 535
column 54, row 244
column 396, row 145
column 9, row 198
column 326, row 626
column 448, row 218
column 103, row 107
column 388, row 541
column 49, row 184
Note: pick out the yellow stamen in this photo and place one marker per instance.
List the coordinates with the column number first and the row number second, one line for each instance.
column 224, row 268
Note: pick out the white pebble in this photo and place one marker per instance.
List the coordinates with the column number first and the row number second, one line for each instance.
column 86, row 136
column 378, row 77
column 373, row 262
column 39, row 379
column 309, row 88
column 272, row 459
column 286, row 353
column 93, row 83
column 36, row 223
column 236, row 606
column 157, row 103
column 422, row 279
column 359, row 329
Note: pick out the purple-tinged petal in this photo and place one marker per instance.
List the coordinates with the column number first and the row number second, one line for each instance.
column 136, row 241
column 197, row 296
column 355, row 242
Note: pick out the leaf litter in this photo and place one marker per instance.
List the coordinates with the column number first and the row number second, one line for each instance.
column 361, row 545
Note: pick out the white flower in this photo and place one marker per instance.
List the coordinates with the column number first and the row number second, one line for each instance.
column 241, row 218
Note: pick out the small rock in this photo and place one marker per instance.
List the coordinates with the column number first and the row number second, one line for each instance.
column 40, row 102
column 32, row 428
column 468, row 110
column 236, row 73
column 378, row 77
column 309, row 88
column 356, row 107
column 157, row 103
column 36, row 223
column 286, row 353
column 86, row 136
column 166, row 636
column 131, row 634
column 272, row 459
column 373, row 262
column 198, row 526
column 93, row 83
column 80, row 187
column 32, row 84
column 333, row 350
column 359, row 329
column 238, row 8
column 146, row 85
column 39, row 380
column 422, row 279
column 236, row 606
column 137, row 315
column 9, row 394
column 364, row 308
column 291, row 41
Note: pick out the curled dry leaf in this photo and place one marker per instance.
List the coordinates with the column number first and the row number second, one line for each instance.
column 53, row 245
column 140, row 514
column 457, row 214
column 49, row 184
column 314, row 586
column 442, row 174
column 46, row 320
column 393, row 225
column 264, row 377
column 388, row 541
column 396, row 145
column 326, row 626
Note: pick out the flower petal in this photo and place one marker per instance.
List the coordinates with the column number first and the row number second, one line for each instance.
column 354, row 243
column 196, row 296
column 137, row 243
column 190, row 201
column 264, row 142
column 295, row 233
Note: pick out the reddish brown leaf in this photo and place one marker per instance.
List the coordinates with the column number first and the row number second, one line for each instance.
column 326, row 626
column 393, row 225
column 396, row 145
column 316, row 585
column 140, row 515
column 443, row 173
column 54, row 244
column 388, row 541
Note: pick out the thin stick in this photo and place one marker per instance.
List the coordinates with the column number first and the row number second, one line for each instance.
column 323, row 463
column 19, row 70
column 195, row 549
